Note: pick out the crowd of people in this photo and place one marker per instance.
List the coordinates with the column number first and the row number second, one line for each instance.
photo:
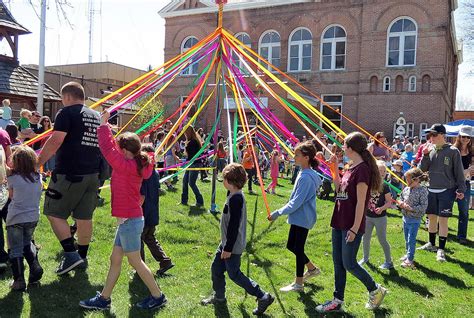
column 416, row 176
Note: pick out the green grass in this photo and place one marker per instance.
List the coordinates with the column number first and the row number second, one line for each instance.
column 190, row 236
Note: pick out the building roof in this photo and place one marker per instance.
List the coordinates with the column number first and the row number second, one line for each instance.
column 174, row 7
column 16, row 80
column 7, row 21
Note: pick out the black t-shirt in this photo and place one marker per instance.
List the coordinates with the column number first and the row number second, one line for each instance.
column 37, row 129
column 466, row 161
column 79, row 154
column 192, row 147
column 377, row 200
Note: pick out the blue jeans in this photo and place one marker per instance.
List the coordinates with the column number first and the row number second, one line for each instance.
column 190, row 178
column 232, row 267
column 129, row 235
column 463, row 207
column 344, row 256
column 410, row 229
column 20, row 235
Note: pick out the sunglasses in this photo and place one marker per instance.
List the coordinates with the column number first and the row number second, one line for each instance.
column 465, row 137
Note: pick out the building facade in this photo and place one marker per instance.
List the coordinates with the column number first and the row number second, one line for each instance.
column 374, row 60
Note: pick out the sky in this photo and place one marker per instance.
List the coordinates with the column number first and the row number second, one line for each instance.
column 128, row 32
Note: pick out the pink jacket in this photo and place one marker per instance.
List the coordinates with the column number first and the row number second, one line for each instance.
column 125, row 181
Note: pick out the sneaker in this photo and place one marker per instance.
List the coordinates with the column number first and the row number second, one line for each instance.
column 440, row 256
column 292, row 287
column 428, row 247
column 3, row 265
column 330, row 306
column 363, row 261
column 213, row 300
column 376, row 297
column 311, row 273
column 84, row 265
column 404, row 257
column 263, row 303
column 463, row 241
column 407, row 264
column 152, row 302
column 164, row 269
column 69, row 261
column 96, row 303
column 386, row 265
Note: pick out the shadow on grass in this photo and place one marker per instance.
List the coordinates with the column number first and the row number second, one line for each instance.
column 12, row 304
column 394, row 276
column 308, row 300
column 196, row 210
column 221, row 310
column 451, row 281
column 467, row 267
column 138, row 291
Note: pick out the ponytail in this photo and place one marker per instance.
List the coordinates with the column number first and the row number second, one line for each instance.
column 375, row 179
column 314, row 163
column 142, row 159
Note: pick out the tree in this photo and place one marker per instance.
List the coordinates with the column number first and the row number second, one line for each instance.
column 152, row 110
column 465, row 24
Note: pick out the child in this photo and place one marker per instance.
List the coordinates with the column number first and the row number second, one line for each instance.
column 221, row 156
column 25, row 187
column 233, row 241
column 376, row 216
column 247, row 162
column 129, row 167
column 24, row 122
column 413, row 204
column 274, row 171
column 301, row 210
column 150, row 196
column 7, row 111
column 398, row 171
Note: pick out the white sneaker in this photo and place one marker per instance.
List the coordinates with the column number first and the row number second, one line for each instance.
column 362, row 261
column 376, row 297
column 440, row 256
column 428, row 247
column 404, row 257
column 311, row 273
column 292, row 287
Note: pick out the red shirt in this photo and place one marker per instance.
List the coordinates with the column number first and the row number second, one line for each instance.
column 346, row 199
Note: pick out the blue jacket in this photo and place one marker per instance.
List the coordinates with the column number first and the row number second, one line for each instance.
column 301, row 209
column 150, row 189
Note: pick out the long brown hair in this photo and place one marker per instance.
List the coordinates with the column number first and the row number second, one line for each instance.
column 42, row 122
column 377, row 136
column 308, row 150
column 130, row 141
column 458, row 144
column 358, row 143
column 24, row 163
column 191, row 134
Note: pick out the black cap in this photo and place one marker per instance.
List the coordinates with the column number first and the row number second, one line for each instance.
column 437, row 129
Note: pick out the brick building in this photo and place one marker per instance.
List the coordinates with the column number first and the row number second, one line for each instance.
column 372, row 59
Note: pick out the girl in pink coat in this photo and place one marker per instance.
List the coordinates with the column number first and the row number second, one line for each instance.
column 274, row 167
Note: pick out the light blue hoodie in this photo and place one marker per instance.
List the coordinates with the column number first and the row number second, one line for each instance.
column 301, row 208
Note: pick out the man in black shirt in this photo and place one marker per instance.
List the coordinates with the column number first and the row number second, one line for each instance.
column 75, row 180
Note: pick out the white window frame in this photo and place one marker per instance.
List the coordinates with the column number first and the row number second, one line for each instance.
column 412, row 83
column 300, row 51
column 410, row 132
column 423, row 126
column 240, row 64
column 385, row 84
column 337, row 104
column 188, row 71
column 333, row 42
column 270, row 47
column 401, row 47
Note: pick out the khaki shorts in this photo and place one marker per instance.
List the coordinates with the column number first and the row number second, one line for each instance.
column 72, row 195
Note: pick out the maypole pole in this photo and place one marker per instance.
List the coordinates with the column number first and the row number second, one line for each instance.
column 220, row 14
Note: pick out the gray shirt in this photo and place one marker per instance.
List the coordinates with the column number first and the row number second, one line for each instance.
column 25, row 204
column 234, row 224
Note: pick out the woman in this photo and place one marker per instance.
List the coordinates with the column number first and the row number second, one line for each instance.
column 348, row 221
column 45, row 122
column 464, row 145
column 192, row 146
column 378, row 148
column 12, row 131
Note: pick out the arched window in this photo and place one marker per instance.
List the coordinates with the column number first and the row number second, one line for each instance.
column 333, row 48
column 270, row 48
column 401, row 42
column 412, row 83
column 300, row 50
column 386, row 84
column 245, row 39
column 399, row 84
column 426, row 83
column 188, row 43
column 374, row 82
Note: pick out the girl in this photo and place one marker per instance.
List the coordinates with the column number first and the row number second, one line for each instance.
column 160, row 160
column 129, row 167
column 376, row 214
column 221, row 156
column 301, row 210
column 45, row 122
column 12, row 131
column 348, row 220
column 249, row 166
column 192, row 146
column 274, row 164
column 413, row 203
column 25, row 187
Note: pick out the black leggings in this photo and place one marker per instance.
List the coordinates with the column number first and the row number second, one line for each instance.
column 296, row 241
column 250, row 174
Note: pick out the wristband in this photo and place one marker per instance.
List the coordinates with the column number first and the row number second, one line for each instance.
column 352, row 232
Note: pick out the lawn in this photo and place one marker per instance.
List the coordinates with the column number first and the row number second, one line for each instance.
column 190, row 236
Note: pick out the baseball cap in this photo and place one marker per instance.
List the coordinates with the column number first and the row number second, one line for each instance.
column 465, row 131
column 437, row 129
column 398, row 163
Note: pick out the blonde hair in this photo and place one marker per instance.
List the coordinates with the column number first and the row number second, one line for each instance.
column 24, row 112
column 6, row 103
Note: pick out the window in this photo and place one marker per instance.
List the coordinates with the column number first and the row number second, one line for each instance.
column 412, row 83
column 270, row 48
column 188, row 43
column 386, row 84
column 410, row 130
column 401, row 43
column 245, row 39
column 300, row 50
column 426, row 83
column 333, row 49
column 374, row 82
column 335, row 101
column 399, row 84
column 423, row 126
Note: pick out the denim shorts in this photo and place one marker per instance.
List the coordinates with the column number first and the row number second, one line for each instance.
column 128, row 235
column 441, row 204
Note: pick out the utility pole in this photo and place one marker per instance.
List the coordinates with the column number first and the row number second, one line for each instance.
column 91, row 28
column 39, row 103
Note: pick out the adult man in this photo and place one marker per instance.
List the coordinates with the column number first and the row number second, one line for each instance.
column 447, row 183
column 74, row 182
column 36, row 129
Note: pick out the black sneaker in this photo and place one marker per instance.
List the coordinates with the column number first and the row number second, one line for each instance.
column 263, row 303
column 164, row 269
column 213, row 300
column 69, row 261
column 84, row 265
column 152, row 302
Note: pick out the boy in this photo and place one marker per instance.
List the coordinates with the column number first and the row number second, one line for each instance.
column 150, row 196
column 398, row 171
column 232, row 245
